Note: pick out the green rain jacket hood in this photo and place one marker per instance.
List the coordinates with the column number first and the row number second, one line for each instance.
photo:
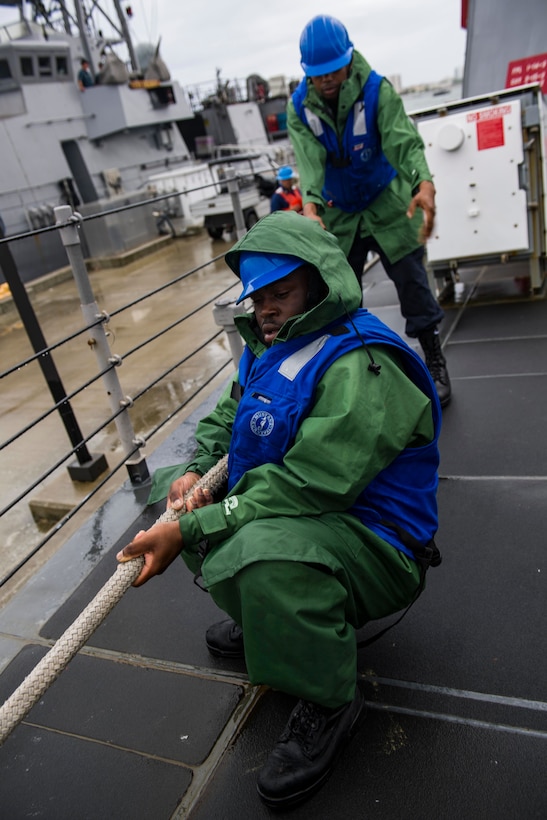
column 290, row 233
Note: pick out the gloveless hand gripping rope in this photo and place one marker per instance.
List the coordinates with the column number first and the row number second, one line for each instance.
column 71, row 641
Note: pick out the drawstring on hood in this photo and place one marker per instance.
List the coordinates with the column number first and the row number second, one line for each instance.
column 373, row 366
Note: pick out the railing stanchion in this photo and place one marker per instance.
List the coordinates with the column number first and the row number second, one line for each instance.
column 233, row 188
column 224, row 312
column 136, row 463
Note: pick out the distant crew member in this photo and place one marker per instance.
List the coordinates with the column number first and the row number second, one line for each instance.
column 99, row 74
column 364, row 175
column 85, row 77
column 287, row 197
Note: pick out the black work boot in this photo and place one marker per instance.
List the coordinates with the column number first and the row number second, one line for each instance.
column 436, row 363
column 306, row 752
column 225, row 640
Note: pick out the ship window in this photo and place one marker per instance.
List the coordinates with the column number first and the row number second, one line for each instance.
column 162, row 96
column 61, row 65
column 44, row 66
column 27, row 68
column 5, row 73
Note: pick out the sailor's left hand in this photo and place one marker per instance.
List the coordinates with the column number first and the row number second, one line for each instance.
column 310, row 211
column 424, row 199
column 160, row 545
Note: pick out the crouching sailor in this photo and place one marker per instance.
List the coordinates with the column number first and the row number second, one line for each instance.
column 331, row 425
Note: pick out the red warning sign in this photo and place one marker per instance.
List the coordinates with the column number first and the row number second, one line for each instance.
column 528, row 70
column 490, row 133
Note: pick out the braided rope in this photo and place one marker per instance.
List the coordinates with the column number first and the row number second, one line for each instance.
column 19, row 704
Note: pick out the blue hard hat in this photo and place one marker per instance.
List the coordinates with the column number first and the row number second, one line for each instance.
column 256, row 270
column 324, row 46
column 285, row 173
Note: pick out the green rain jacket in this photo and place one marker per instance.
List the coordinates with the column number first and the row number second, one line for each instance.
column 385, row 219
column 358, row 425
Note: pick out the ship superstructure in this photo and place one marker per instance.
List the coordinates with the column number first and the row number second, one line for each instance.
column 84, row 148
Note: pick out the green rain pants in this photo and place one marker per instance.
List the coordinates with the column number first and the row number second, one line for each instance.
column 299, row 587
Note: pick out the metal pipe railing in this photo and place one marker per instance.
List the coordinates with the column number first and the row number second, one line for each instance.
column 88, row 465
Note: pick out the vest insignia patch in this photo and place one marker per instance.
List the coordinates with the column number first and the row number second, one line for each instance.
column 262, row 423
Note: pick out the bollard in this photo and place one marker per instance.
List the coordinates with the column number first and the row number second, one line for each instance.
column 136, row 464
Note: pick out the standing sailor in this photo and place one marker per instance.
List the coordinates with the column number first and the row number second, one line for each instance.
column 364, row 175
column 85, row 77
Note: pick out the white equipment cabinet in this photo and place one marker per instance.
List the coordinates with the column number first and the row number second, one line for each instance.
column 487, row 158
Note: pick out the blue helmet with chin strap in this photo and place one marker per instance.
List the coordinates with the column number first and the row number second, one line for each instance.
column 256, row 270
column 324, row 46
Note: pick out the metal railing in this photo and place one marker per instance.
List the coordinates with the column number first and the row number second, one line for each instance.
column 110, row 420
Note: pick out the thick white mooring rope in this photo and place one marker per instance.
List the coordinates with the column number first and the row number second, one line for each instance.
column 71, row 641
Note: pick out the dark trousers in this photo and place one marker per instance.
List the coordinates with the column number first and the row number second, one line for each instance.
column 418, row 305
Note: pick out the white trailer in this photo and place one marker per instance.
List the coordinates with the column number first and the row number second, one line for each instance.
column 188, row 184
column 253, row 173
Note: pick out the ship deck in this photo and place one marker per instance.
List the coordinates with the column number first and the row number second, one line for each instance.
column 144, row 723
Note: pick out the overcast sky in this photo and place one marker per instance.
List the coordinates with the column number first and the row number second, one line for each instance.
column 422, row 40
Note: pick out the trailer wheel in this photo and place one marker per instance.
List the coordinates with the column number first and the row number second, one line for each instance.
column 215, row 233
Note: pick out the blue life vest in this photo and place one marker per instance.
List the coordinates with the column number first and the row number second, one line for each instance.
column 356, row 170
column 278, row 392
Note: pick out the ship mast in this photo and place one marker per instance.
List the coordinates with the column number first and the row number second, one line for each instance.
column 126, row 35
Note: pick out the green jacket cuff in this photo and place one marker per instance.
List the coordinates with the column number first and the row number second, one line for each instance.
column 206, row 522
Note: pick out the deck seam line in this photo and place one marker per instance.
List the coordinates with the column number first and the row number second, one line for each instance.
column 449, row 477
column 116, row 746
column 484, row 376
column 476, row 724
column 464, row 694
column 482, row 340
